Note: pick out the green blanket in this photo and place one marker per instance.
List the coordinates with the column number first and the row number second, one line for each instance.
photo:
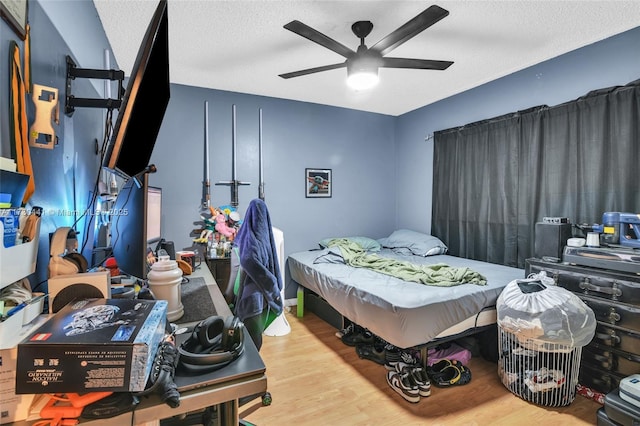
column 439, row 274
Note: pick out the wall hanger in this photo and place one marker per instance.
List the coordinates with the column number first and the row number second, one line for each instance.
column 73, row 72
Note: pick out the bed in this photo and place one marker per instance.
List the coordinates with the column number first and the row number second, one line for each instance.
column 404, row 313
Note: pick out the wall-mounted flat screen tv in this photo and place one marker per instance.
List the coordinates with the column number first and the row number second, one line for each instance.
column 144, row 102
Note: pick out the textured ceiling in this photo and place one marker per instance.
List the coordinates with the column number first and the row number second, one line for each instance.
column 241, row 46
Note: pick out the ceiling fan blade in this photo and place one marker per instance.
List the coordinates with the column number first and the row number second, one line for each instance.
column 422, row 64
column 317, row 37
column 313, row 70
column 411, row 29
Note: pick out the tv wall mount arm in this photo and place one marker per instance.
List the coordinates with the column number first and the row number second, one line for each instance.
column 73, row 72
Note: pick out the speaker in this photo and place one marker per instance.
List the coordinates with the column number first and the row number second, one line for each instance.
column 64, row 241
column 214, row 343
column 67, row 288
column 167, row 246
column 550, row 239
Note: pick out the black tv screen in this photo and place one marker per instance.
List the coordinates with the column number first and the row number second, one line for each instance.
column 144, row 102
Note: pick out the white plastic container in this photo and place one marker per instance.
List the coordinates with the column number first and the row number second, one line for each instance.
column 165, row 278
column 18, row 261
column 630, row 389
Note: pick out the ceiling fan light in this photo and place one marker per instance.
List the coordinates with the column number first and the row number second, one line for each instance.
column 362, row 79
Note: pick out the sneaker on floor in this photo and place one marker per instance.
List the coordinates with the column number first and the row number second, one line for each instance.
column 358, row 336
column 409, row 358
column 348, row 329
column 449, row 376
column 465, row 374
column 391, row 355
column 370, row 352
column 403, row 356
column 391, row 348
column 401, row 383
column 439, row 366
column 418, row 375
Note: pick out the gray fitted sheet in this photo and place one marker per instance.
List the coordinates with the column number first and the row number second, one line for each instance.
column 405, row 314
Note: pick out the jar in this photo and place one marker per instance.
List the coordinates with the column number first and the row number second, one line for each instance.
column 164, row 279
column 220, row 247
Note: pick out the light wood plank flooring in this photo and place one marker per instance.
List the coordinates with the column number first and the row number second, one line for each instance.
column 315, row 379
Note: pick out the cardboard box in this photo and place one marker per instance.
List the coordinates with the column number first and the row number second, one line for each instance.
column 93, row 345
column 14, row 408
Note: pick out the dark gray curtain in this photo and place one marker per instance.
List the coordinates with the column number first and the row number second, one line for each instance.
column 494, row 179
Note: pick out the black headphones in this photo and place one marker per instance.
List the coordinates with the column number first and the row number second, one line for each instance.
column 214, row 343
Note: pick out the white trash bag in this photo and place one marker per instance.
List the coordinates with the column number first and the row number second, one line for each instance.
column 544, row 316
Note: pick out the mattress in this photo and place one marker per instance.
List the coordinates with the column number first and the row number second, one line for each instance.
column 405, row 314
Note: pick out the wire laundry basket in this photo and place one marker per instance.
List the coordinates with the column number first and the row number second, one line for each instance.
column 545, row 377
column 541, row 331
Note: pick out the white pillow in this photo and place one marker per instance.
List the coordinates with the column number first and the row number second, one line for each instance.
column 418, row 243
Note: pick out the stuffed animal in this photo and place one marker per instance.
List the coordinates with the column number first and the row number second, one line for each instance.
column 209, row 227
column 222, row 227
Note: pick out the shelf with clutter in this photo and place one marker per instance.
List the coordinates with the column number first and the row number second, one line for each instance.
column 18, row 252
column 19, row 233
column 219, row 231
column 21, row 321
column 17, row 261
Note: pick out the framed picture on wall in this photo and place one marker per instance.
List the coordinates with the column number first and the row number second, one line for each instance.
column 318, row 183
column 15, row 13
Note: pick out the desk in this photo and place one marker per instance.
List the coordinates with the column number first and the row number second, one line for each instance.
column 222, row 308
column 244, row 377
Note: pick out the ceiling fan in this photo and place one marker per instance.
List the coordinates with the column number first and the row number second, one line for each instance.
column 362, row 65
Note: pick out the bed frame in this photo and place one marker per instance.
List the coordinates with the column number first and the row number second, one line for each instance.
column 340, row 294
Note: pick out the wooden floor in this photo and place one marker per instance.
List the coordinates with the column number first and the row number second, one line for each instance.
column 315, row 379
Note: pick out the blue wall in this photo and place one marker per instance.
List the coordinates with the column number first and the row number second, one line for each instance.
column 381, row 164
column 357, row 146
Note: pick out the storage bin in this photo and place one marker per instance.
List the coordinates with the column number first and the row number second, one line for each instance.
column 541, row 331
column 19, row 261
column 22, row 319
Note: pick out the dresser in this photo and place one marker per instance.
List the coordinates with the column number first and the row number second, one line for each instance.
column 614, row 297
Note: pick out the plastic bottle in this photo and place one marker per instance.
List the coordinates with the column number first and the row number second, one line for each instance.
column 165, row 278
